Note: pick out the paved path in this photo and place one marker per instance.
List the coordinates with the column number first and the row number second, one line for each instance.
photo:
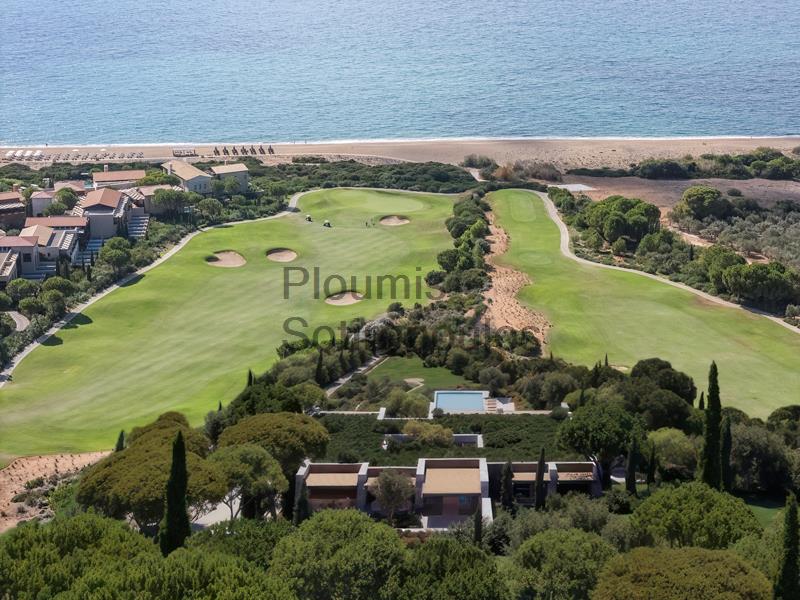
column 566, row 250
column 5, row 374
column 21, row 322
column 372, row 362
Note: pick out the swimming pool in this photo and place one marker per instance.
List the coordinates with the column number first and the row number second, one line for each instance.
column 459, row 401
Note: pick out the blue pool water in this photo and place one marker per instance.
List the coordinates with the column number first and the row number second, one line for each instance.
column 86, row 71
column 462, row 401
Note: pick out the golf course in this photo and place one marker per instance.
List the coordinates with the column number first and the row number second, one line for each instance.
column 183, row 336
column 594, row 311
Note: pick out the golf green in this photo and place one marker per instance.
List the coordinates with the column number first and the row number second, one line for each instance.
column 183, row 336
column 594, row 311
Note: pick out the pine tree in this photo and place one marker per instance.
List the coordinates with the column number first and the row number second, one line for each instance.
column 540, row 491
column 120, row 445
column 725, row 456
column 175, row 526
column 702, row 404
column 652, row 465
column 477, row 527
column 506, row 487
column 712, row 473
column 630, row 469
column 319, row 373
column 787, row 585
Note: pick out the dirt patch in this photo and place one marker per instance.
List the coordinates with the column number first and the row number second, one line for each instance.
column 344, row 298
column 394, row 220
column 503, row 308
column 414, row 382
column 14, row 477
column 226, row 258
column 281, row 255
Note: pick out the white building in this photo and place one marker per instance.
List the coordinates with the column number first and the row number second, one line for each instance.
column 40, row 201
column 237, row 171
column 106, row 209
column 192, row 178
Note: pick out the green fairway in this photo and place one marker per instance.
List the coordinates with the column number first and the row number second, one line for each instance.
column 183, row 336
column 398, row 368
column 595, row 311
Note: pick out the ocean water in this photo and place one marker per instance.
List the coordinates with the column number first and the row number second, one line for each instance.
column 122, row 71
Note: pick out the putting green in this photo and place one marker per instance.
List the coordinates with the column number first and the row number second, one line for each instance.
column 183, row 336
column 595, row 311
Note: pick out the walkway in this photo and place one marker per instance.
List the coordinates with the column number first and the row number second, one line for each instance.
column 21, row 322
column 5, row 374
column 370, row 364
column 566, row 250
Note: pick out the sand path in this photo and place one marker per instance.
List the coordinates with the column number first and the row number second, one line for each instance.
column 21, row 322
column 566, row 250
column 503, row 307
column 22, row 470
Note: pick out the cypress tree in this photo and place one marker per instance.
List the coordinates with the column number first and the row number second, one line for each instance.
column 712, row 472
column 302, row 510
column 219, row 406
column 319, row 374
column 540, row 491
column 250, row 377
column 477, row 527
column 606, row 361
column 175, row 526
column 702, row 404
column 630, row 468
column 581, row 399
column 120, row 445
column 725, row 456
column 506, row 487
column 652, row 464
column 787, row 586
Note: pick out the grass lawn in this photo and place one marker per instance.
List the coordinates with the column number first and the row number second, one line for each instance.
column 766, row 508
column 183, row 336
column 595, row 311
column 398, row 368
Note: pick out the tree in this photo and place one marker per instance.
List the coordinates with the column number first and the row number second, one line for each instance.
column 604, row 429
column 701, row 404
column 680, row 573
column 55, row 208
column 694, row 514
column 712, row 472
column 652, row 465
column 18, row 289
column 175, row 527
column 169, row 201
column 118, row 259
column 302, row 509
column 507, row 487
column 231, row 186
column 562, row 563
column 541, row 466
column 787, row 585
column 725, row 456
column 477, row 528
column 54, row 303
column 210, row 208
column 120, row 445
column 444, row 567
column 67, row 196
column 248, row 539
column 630, row 468
column 251, row 474
column 392, row 490
column 31, row 307
column 319, row 373
column 65, row 286
column 674, row 451
column 340, row 554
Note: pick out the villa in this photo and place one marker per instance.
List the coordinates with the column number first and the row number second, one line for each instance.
column 192, row 179
column 12, row 210
column 116, row 179
column 107, row 210
column 237, row 171
column 143, row 196
column 26, row 251
column 446, row 490
column 76, row 185
column 40, row 201
column 53, row 243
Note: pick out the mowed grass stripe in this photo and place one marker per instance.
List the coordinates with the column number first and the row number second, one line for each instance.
column 596, row 311
column 184, row 335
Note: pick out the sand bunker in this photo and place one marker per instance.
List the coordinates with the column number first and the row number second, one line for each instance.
column 394, row 220
column 344, row 298
column 281, row 255
column 227, row 258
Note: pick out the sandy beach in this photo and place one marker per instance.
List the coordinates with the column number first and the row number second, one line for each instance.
column 563, row 153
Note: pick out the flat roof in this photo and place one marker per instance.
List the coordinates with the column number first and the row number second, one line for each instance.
column 452, row 480
column 529, row 476
column 125, row 175
column 231, row 168
column 332, row 479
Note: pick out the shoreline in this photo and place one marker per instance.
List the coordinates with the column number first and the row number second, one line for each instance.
column 564, row 153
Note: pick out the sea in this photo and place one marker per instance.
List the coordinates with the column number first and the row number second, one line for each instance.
column 138, row 71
